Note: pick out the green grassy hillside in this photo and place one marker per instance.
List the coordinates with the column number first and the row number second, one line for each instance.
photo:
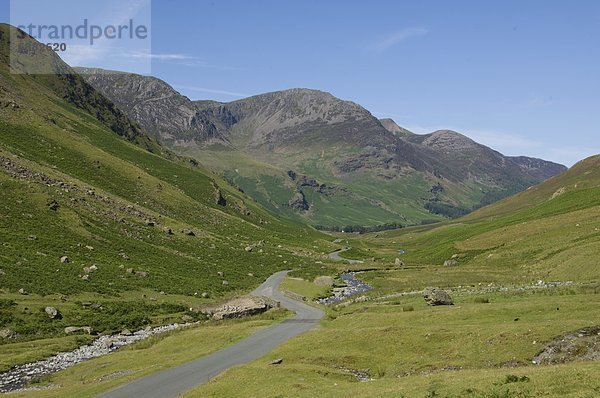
column 93, row 210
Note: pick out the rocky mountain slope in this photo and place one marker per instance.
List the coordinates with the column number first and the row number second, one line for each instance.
column 160, row 110
column 374, row 171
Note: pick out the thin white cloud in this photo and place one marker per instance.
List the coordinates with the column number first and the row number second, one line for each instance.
column 161, row 57
column 212, row 91
column 79, row 54
column 387, row 42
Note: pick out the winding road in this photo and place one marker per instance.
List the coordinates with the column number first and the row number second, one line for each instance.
column 175, row 381
column 335, row 256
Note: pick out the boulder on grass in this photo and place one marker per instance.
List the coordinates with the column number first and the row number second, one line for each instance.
column 435, row 296
column 53, row 313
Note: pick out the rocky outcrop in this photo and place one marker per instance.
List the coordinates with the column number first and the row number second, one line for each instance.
column 435, row 296
column 579, row 345
column 298, row 202
column 240, row 307
column 161, row 111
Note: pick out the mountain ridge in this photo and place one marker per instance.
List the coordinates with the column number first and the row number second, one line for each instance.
column 342, row 144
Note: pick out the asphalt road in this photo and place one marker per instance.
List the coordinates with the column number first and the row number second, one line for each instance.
column 175, row 381
column 335, row 256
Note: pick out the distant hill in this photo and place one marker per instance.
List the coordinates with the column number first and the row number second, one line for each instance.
column 363, row 171
column 549, row 232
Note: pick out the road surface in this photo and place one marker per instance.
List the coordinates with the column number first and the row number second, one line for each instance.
column 175, row 381
column 335, row 256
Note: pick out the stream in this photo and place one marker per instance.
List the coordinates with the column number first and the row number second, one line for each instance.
column 353, row 287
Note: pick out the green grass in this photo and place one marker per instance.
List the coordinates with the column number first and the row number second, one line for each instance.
column 305, row 288
column 159, row 352
column 469, row 346
column 56, row 147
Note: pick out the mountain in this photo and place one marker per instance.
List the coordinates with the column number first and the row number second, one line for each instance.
column 94, row 209
column 363, row 171
column 161, row 111
column 391, row 126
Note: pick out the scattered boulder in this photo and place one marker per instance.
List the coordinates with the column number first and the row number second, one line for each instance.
column 205, row 295
column 126, row 332
column 435, row 296
column 129, row 270
column 32, row 237
column 53, row 313
column 225, row 283
column 124, row 256
column 78, row 329
column 65, row 259
column 23, row 291
column 150, row 223
column 168, row 231
column 450, row 263
column 189, row 232
column 397, row 261
column 249, row 249
column 7, row 333
column 276, row 361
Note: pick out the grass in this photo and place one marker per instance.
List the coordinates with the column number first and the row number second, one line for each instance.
column 114, row 193
column 305, row 288
column 159, row 352
column 441, row 350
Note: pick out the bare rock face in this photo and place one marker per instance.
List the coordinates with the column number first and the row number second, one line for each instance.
column 298, row 202
column 161, row 111
column 435, row 296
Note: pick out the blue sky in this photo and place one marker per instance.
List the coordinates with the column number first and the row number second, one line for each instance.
column 520, row 76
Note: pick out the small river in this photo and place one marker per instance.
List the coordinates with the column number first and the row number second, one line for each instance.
column 353, row 287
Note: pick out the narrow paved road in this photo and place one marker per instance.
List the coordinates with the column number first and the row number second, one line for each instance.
column 335, row 256
column 175, row 381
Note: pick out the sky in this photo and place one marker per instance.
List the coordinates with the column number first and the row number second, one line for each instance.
column 522, row 77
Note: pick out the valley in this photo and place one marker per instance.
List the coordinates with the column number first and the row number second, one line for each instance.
column 392, row 264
